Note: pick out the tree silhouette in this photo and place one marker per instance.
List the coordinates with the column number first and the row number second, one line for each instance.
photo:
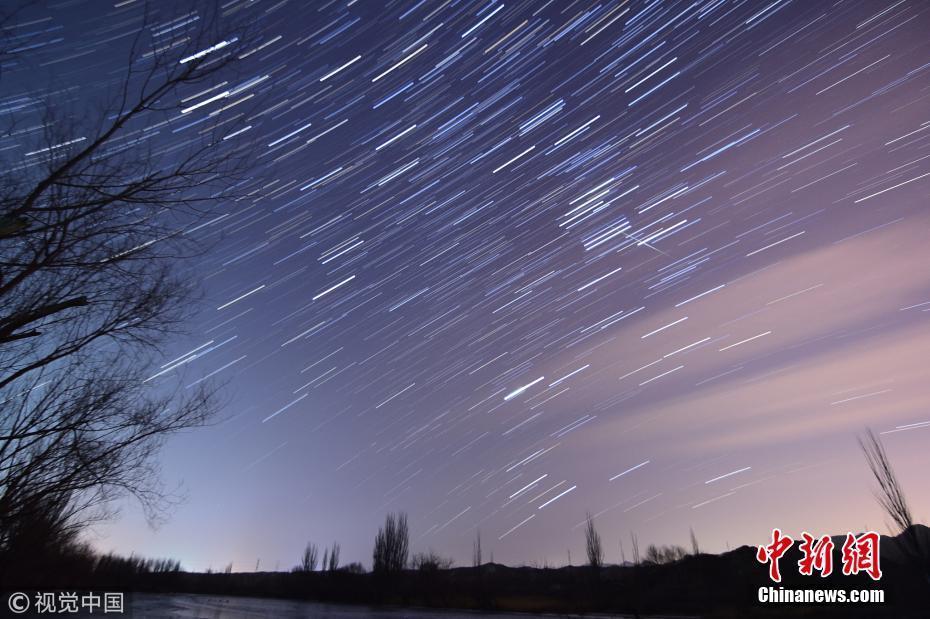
column 592, row 543
column 332, row 562
column 664, row 554
column 94, row 215
column 392, row 545
column 476, row 550
column 695, row 547
column 890, row 495
column 430, row 561
column 309, row 558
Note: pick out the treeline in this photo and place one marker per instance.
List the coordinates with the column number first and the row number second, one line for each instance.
column 72, row 564
column 665, row 579
column 708, row 585
column 391, row 552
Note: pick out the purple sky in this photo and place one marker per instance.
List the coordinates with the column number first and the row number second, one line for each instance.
column 506, row 263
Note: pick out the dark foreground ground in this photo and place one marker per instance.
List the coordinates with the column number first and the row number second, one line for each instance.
column 725, row 585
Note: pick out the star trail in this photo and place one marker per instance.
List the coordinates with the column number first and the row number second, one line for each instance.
column 501, row 263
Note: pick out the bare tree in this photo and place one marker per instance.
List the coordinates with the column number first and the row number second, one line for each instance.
column 430, row 561
column 94, row 214
column 476, row 550
column 332, row 563
column 31, row 543
column 890, row 496
column 392, row 545
column 664, row 554
column 592, row 543
column 635, row 542
column 695, row 547
column 308, row 559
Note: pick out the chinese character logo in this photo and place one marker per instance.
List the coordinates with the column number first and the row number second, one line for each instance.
column 773, row 552
column 816, row 555
column 859, row 554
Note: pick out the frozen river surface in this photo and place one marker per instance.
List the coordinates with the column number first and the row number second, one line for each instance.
column 221, row 607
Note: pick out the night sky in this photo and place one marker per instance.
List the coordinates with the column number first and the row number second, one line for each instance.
column 500, row 263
